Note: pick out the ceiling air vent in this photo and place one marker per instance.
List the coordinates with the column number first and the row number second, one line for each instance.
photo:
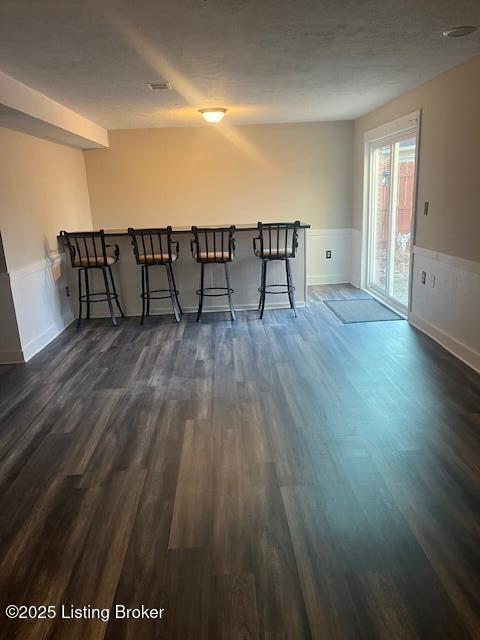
column 162, row 85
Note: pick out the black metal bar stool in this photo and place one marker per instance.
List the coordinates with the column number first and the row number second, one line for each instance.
column 89, row 251
column 155, row 247
column 276, row 241
column 215, row 245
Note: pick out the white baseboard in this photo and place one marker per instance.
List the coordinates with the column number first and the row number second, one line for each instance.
column 329, row 279
column 455, row 347
column 44, row 338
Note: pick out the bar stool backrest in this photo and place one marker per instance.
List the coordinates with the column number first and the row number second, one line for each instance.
column 277, row 239
column 153, row 246
column 213, row 244
column 87, row 248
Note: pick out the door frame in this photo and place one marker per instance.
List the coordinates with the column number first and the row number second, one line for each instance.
column 408, row 125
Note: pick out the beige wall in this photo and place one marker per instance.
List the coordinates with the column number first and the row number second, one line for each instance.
column 216, row 175
column 449, row 175
column 43, row 189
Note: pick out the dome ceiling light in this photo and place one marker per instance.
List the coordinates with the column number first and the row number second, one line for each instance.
column 213, row 114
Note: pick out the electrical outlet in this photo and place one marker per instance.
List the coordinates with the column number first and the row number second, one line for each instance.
column 424, row 277
column 328, row 254
column 426, row 207
column 67, row 291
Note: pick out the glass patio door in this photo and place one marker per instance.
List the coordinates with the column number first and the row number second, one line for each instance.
column 390, row 212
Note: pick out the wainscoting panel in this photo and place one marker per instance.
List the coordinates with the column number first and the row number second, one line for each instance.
column 447, row 306
column 41, row 305
column 334, row 270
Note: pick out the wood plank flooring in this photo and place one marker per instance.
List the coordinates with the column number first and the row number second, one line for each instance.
column 284, row 479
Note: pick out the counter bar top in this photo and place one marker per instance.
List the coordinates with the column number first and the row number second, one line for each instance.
column 238, row 227
column 177, row 230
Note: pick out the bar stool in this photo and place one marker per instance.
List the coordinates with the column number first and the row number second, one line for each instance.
column 155, row 247
column 214, row 245
column 276, row 241
column 89, row 251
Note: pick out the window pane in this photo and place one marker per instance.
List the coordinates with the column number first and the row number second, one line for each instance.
column 383, row 160
column 403, row 219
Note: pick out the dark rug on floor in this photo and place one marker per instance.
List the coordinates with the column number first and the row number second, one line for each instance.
column 361, row 310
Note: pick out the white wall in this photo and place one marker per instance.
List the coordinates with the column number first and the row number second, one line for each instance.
column 44, row 189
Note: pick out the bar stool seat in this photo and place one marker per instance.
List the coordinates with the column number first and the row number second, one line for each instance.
column 212, row 256
column 84, row 261
column 213, row 245
column 157, row 258
column 88, row 250
column 273, row 252
column 155, row 248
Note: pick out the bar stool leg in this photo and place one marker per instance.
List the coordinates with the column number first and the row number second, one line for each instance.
column 143, row 295
column 109, row 298
column 260, row 289
column 170, row 268
column 115, row 292
column 80, row 302
column 147, row 288
column 172, row 292
column 227, row 278
column 200, row 302
column 264, row 284
column 87, row 291
column 291, row 288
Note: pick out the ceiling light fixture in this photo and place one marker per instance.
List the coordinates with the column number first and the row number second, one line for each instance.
column 460, row 32
column 214, row 114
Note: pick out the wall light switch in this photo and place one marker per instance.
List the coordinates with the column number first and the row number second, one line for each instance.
column 426, row 207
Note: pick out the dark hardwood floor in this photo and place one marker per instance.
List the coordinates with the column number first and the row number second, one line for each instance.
column 279, row 479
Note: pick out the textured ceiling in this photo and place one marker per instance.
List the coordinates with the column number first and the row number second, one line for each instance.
column 267, row 61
